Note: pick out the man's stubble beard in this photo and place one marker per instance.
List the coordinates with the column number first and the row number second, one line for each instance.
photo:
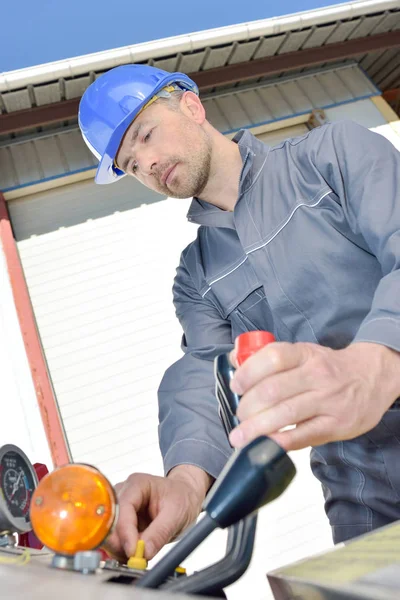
column 198, row 166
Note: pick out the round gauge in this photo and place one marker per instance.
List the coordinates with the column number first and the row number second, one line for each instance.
column 18, row 481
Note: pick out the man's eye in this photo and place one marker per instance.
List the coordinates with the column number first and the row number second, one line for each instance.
column 147, row 136
column 134, row 167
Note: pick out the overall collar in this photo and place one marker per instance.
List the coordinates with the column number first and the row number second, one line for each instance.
column 253, row 154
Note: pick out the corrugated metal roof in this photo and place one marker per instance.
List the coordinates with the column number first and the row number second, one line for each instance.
column 383, row 67
column 52, row 155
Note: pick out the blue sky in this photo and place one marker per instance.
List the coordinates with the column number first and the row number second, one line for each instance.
column 35, row 32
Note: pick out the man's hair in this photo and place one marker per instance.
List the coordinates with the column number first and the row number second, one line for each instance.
column 173, row 100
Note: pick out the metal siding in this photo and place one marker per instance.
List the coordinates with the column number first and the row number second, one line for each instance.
column 276, row 103
column 269, row 46
column 343, row 31
column 47, row 94
column 369, row 59
column 17, row 100
column 217, row 57
column 255, row 107
column 233, row 111
column 335, row 87
column 214, row 115
column 75, row 87
column 392, row 77
column 356, row 82
column 366, row 26
column 243, row 52
column 295, row 96
column 191, row 62
column 76, row 153
column 168, row 64
column 294, row 41
column 384, row 64
column 315, row 91
column 390, row 22
column 26, row 162
column 8, row 175
column 319, row 36
column 51, row 158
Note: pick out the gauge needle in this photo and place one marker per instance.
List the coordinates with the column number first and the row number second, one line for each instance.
column 16, row 484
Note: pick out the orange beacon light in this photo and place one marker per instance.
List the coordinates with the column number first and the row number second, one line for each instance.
column 73, row 509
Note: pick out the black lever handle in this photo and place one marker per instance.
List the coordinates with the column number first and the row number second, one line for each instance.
column 252, row 477
column 228, row 401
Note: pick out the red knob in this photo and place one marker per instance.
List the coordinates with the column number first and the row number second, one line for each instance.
column 250, row 342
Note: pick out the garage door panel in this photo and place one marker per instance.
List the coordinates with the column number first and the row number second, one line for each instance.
column 81, row 328
column 111, row 389
column 111, row 426
column 127, row 346
column 103, row 332
column 78, row 416
column 150, row 279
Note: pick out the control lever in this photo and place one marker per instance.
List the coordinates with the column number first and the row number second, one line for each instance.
column 241, row 536
column 240, row 539
column 241, row 533
column 252, row 477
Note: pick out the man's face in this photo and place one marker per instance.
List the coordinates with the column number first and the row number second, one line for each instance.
column 168, row 150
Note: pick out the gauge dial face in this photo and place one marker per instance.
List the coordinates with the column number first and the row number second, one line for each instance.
column 17, row 484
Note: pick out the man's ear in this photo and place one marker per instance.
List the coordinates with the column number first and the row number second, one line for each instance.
column 192, row 107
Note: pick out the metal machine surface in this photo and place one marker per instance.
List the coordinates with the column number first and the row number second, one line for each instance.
column 365, row 568
column 73, row 509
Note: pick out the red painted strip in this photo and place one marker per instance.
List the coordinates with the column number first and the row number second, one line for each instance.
column 44, row 392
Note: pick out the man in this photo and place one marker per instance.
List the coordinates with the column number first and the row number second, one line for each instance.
column 302, row 240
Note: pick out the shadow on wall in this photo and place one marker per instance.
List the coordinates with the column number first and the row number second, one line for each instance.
column 74, row 204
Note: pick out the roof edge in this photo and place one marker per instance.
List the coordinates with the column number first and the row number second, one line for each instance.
column 107, row 59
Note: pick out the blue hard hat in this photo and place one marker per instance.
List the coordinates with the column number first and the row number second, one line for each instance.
column 110, row 104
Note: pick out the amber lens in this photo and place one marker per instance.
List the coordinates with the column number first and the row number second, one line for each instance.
column 73, row 509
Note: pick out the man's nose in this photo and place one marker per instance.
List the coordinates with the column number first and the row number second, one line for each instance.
column 148, row 163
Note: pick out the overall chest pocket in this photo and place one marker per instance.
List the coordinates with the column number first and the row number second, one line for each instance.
column 240, row 298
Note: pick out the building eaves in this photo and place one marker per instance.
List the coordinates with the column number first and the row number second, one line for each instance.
column 197, row 42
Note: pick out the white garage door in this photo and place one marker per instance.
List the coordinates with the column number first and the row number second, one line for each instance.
column 99, row 263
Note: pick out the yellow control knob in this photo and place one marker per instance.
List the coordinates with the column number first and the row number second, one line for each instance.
column 138, row 561
column 180, row 570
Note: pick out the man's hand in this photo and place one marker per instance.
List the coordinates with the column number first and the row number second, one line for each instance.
column 156, row 509
column 328, row 395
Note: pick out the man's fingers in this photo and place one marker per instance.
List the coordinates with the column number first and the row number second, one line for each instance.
column 132, row 497
column 160, row 531
column 272, row 390
column 313, row 432
column 286, row 413
column 274, row 358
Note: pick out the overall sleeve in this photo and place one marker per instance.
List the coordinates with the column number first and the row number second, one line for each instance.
column 190, row 430
column 363, row 169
